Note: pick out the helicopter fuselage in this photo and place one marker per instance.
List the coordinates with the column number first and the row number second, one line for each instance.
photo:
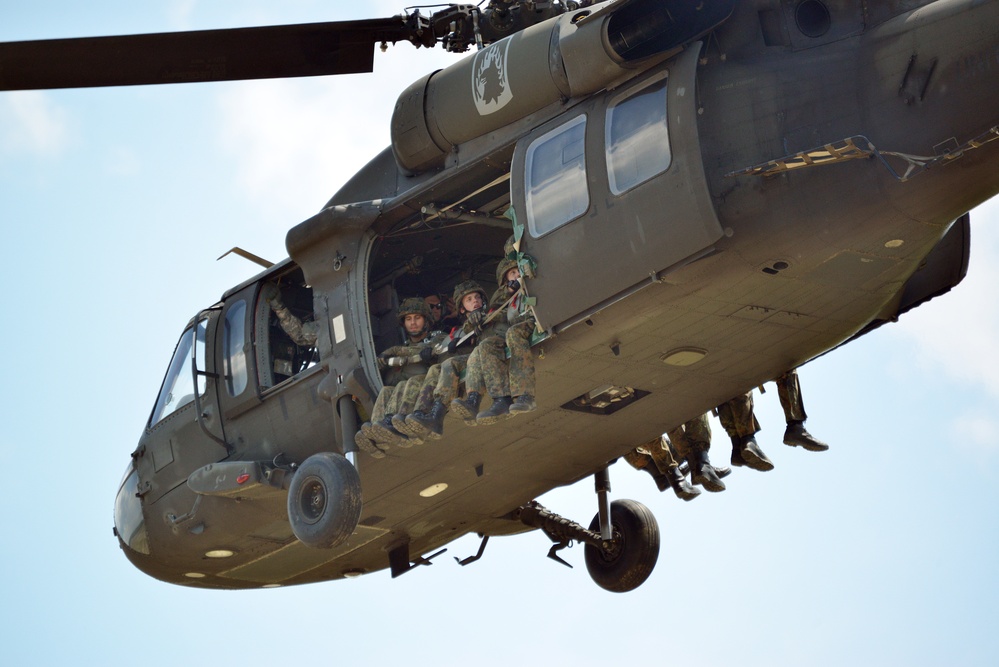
column 703, row 220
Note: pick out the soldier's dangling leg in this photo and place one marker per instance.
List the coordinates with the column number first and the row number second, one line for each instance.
column 789, row 392
column 522, row 381
column 697, row 434
column 475, row 386
column 640, row 459
column 432, row 422
column 739, row 421
column 667, row 461
column 409, row 390
column 491, row 359
column 425, row 397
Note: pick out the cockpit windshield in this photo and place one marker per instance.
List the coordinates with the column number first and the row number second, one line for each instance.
column 178, row 386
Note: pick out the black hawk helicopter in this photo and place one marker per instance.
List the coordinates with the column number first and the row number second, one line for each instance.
column 714, row 193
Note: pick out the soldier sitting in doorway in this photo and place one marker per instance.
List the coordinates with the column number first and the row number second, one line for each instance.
column 404, row 366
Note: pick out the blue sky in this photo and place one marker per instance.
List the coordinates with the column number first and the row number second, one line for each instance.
column 115, row 204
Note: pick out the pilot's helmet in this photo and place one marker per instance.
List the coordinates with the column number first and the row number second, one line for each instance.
column 414, row 306
column 504, row 265
column 461, row 290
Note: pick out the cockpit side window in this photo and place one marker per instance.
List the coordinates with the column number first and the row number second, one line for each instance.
column 234, row 344
column 637, row 138
column 555, row 174
column 178, row 385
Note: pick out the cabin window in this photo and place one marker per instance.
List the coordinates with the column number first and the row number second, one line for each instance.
column 178, row 385
column 637, row 138
column 234, row 343
column 556, row 177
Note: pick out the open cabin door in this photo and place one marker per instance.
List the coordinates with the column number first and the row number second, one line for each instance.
column 614, row 193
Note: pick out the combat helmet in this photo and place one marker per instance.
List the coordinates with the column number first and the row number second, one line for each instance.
column 504, row 265
column 463, row 289
column 415, row 306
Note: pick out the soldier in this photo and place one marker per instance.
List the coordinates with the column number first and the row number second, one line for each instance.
column 432, row 405
column 795, row 435
column 511, row 385
column 740, row 422
column 301, row 333
column 658, row 459
column 692, row 441
column 403, row 363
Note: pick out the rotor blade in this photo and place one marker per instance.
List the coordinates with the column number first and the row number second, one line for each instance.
column 311, row 49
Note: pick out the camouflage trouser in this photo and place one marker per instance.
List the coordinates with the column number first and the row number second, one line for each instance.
column 692, row 437
column 518, row 339
column 405, row 396
column 657, row 452
column 487, row 368
column 737, row 418
column 383, row 404
column 789, row 391
column 450, row 378
column 425, row 395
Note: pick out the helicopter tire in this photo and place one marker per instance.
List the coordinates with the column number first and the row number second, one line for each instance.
column 633, row 553
column 324, row 500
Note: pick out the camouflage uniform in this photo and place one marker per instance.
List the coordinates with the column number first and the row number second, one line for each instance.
column 375, row 434
column 305, row 334
column 739, row 421
column 789, row 391
column 443, row 380
column 488, row 369
column 737, row 417
column 692, row 441
column 659, row 460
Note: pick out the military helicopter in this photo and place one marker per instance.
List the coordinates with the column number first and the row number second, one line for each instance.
column 713, row 194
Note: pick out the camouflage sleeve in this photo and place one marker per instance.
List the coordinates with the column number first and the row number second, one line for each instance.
column 303, row 334
column 498, row 298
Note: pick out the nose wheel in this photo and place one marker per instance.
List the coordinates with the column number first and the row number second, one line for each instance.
column 324, row 500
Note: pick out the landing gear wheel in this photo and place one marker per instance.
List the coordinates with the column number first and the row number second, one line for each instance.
column 632, row 555
column 324, row 500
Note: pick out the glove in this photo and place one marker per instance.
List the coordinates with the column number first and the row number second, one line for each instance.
column 475, row 317
column 513, row 285
column 426, row 354
column 452, row 345
column 382, row 363
column 270, row 293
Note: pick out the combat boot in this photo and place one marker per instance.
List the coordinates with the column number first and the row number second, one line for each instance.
column 797, row 436
column 366, row 444
column 523, row 403
column 703, row 474
column 722, row 472
column 384, row 432
column 682, row 489
column 400, row 423
column 737, row 451
column 468, row 407
column 753, row 456
column 500, row 409
column 662, row 482
column 432, row 422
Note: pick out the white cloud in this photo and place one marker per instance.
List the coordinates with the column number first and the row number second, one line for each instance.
column 295, row 142
column 956, row 334
column 977, row 434
column 32, row 123
column 179, row 13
